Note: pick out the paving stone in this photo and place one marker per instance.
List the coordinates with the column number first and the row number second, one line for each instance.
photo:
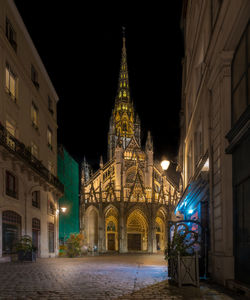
column 96, row 278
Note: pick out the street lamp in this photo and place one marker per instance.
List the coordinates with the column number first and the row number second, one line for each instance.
column 165, row 164
column 63, row 210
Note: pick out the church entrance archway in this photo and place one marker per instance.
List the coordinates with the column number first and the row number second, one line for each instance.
column 111, row 225
column 137, row 231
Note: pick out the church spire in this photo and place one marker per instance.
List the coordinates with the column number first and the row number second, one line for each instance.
column 123, row 93
column 123, row 125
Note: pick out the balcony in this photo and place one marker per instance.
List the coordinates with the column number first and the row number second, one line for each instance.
column 18, row 149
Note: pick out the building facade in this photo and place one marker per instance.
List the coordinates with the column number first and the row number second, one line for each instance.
column 126, row 204
column 29, row 189
column 68, row 174
column 214, row 148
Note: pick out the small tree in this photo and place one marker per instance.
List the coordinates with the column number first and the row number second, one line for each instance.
column 74, row 244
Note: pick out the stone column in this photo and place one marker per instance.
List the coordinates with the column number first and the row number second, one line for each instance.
column 152, row 247
column 122, row 230
column 101, row 230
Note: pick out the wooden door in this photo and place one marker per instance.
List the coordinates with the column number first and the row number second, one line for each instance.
column 111, row 241
column 134, row 242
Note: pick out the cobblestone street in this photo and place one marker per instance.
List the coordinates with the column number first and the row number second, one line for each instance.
column 100, row 277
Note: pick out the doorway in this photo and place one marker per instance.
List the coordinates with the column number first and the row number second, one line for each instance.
column 36, row 235
column 134, row 242
column 111, row 241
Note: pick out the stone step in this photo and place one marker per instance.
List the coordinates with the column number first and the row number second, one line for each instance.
column 5, row 259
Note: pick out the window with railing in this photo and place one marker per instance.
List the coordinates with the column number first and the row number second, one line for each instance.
column 11, row 132
column 36, row 199
column 10, row 34
column 11, row 185
column 34, row 149
column 11, row 82
column 51, row 208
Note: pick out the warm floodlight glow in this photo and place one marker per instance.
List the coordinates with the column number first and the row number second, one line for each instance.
column 165, row 164
column 63, row 209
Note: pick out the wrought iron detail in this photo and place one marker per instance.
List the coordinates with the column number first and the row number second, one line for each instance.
column 17, row 148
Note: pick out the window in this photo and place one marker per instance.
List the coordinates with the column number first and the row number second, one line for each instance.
column 49, row 137
column 241, row 77
column 34, row 115
column 34, row 150
column 198, row 140
column 11, row 185
column 51, row 237
column 50, row 105
column 36, row 199
column 10, row 34
column 11, row 132
column 51, row 208
column 11, row 82
column 34, row 76
column 51, row 167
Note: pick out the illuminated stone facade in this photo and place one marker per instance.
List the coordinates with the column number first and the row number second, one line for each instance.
column 215, row 136
column 125, row 205
column 29, row 187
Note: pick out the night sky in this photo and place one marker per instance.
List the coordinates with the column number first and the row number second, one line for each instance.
column 80, row 47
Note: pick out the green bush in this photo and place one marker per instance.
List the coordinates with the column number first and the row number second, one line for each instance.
column 74, row 244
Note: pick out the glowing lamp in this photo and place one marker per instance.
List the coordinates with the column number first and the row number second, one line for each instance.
column 190, row 211
column 165, row 164
column 63, row 209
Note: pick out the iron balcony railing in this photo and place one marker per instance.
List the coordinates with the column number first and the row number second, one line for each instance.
column 17, row 148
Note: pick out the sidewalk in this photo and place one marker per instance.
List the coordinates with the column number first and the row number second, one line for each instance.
column 164, row 291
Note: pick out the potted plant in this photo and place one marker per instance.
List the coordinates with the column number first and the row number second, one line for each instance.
column 25, row 250
column 183, row 265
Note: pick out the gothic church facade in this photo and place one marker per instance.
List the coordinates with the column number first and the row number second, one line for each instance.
column 126, row 204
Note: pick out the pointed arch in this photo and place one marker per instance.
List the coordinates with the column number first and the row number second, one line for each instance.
column 91, row 229
column 137, row 231
column 111, row 227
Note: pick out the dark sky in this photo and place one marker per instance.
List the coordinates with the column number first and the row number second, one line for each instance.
column 80, row 47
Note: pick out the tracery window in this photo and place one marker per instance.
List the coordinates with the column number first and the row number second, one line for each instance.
column 111, row 226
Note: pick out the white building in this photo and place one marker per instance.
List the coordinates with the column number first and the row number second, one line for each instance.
column 214, row 150
column 29, row 189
